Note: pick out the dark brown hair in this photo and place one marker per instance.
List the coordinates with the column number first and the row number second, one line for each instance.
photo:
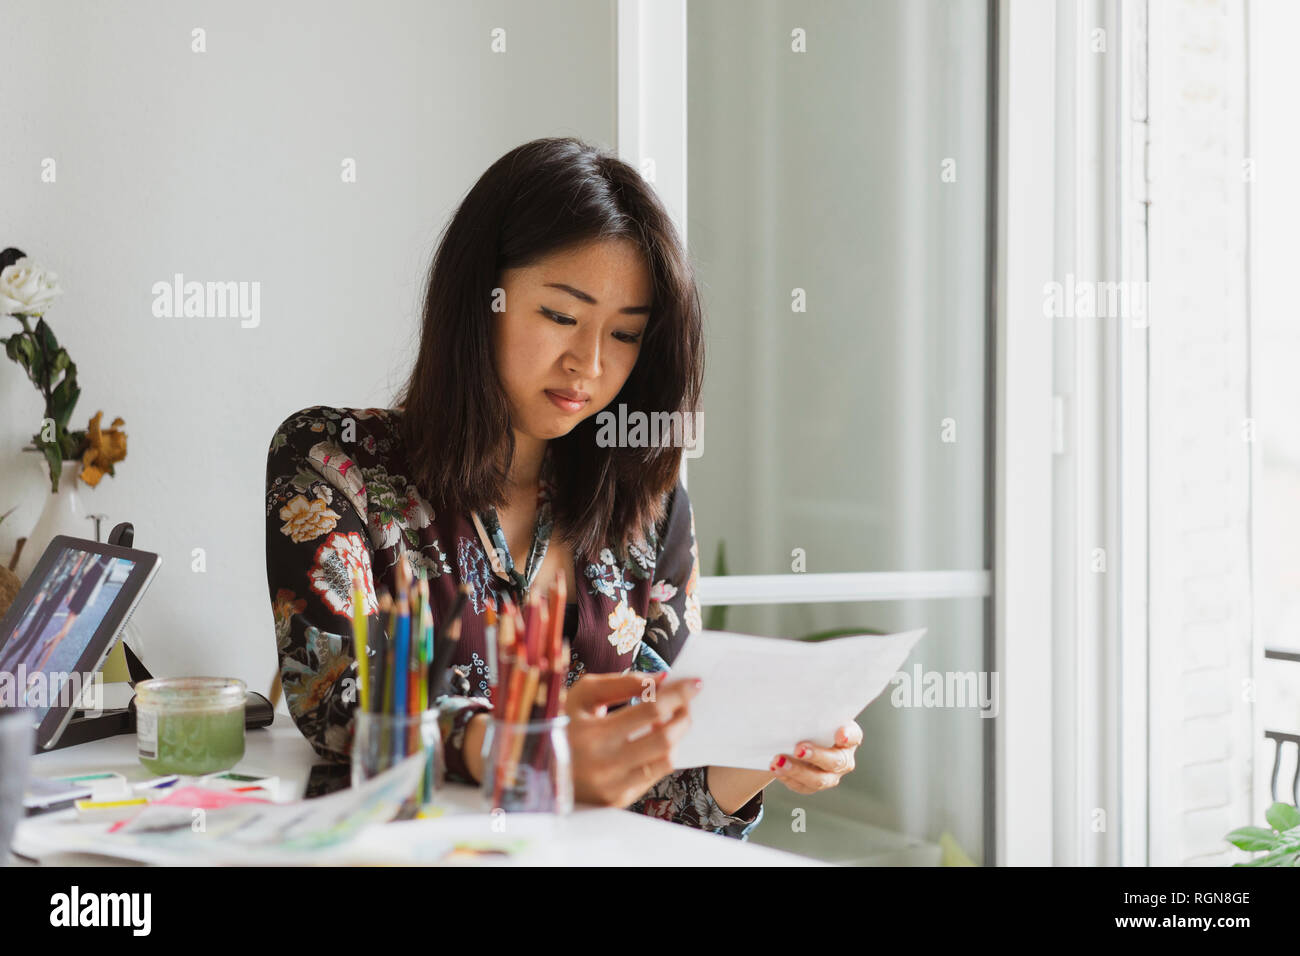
column 539, row 198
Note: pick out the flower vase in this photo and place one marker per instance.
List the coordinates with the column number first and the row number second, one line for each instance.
column 65, row 512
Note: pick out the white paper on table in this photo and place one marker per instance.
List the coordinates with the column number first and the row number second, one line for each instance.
column 245, row 833
column 762, row 695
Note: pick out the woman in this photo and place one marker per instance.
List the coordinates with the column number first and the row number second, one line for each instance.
column 86, row 588
column 58, row 582
column 559, row 288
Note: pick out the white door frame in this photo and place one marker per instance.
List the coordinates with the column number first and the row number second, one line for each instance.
column 1024, row 437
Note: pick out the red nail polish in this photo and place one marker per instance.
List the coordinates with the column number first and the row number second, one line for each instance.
column 781, row 762
column 802, row 751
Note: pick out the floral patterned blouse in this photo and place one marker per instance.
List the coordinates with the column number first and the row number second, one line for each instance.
column 337, row 498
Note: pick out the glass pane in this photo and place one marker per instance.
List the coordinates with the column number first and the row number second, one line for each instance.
column 837, row 215
column 919, row 781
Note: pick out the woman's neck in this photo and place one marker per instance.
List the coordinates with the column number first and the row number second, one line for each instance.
column 527, row 465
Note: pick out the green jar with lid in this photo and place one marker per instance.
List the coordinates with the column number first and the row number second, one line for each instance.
column 190, row 725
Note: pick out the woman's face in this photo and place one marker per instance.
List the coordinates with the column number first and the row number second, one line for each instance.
column 570, row 334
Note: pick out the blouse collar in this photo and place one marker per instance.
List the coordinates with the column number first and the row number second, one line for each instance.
column 493, row 538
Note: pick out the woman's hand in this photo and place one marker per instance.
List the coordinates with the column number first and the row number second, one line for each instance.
column 811, row 768
column 617, row 757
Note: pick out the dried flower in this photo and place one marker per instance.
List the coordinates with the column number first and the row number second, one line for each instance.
column 104, row 448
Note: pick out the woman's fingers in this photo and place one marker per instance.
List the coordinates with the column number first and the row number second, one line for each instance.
column 637, row 719
column 592, row 691
column 641, row 778
column 615, row 772
column 832, row 759
column 658, row 744
column 850, row 735
column 812, row 767
column 803, row 777
column 617, row 757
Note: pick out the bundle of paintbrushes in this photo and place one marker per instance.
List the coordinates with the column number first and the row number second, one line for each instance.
column 401, row 667
column 528, row 660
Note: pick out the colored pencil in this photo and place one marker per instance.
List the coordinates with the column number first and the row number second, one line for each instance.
column 402, row 647
column 360, row 619
column 388, row 663
column 558, row 674
column 505, row 650
column 426, row 642
column 446, row 644
column 532, row 662
column 532, row 629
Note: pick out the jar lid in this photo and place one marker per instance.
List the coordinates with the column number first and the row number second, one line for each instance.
column 191, row 692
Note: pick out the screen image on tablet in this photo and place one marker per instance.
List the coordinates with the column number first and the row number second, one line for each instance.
column 64, row 621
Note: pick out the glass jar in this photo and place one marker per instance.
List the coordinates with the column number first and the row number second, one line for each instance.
column 382, row 741
column 527, row 767
column 190, row 725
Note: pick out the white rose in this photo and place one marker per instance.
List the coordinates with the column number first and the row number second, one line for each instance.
column 27, row 289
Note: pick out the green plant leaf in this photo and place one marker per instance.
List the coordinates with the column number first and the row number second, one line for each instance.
column 72, row 444
column 21, row 349
column 63, row 400
column 1283, row 857
column 13, row 348
column 838, row 632
column 55, row 461
column 1253, row 838
column 716, row 619
column 1282, row 816
column 45, row 335
column 40, row 361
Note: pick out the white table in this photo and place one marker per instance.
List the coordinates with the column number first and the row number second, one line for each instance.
column 598, row 836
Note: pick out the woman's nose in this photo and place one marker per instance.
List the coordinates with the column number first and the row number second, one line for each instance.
column 583, row 357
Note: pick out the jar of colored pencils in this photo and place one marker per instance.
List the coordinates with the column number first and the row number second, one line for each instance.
column 527, row 768
column 382, row 741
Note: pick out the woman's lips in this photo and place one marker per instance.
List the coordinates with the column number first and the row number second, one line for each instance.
column 565, row 404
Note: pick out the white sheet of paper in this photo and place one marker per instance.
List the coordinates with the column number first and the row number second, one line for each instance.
column 762, row 695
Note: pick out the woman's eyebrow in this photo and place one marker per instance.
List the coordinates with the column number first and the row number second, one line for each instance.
column 586, row 297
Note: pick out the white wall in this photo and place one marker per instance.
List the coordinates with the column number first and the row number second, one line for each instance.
column 1202, row 737
column 1275, row 349
column 225, row 166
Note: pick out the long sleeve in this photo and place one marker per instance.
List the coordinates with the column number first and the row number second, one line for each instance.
column 314, row 537
column 673, row 616
column 316, row 534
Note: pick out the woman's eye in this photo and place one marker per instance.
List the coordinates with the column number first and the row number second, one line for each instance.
column 559, row 317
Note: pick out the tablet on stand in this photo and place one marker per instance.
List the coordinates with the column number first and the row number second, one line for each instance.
column 60, row 629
